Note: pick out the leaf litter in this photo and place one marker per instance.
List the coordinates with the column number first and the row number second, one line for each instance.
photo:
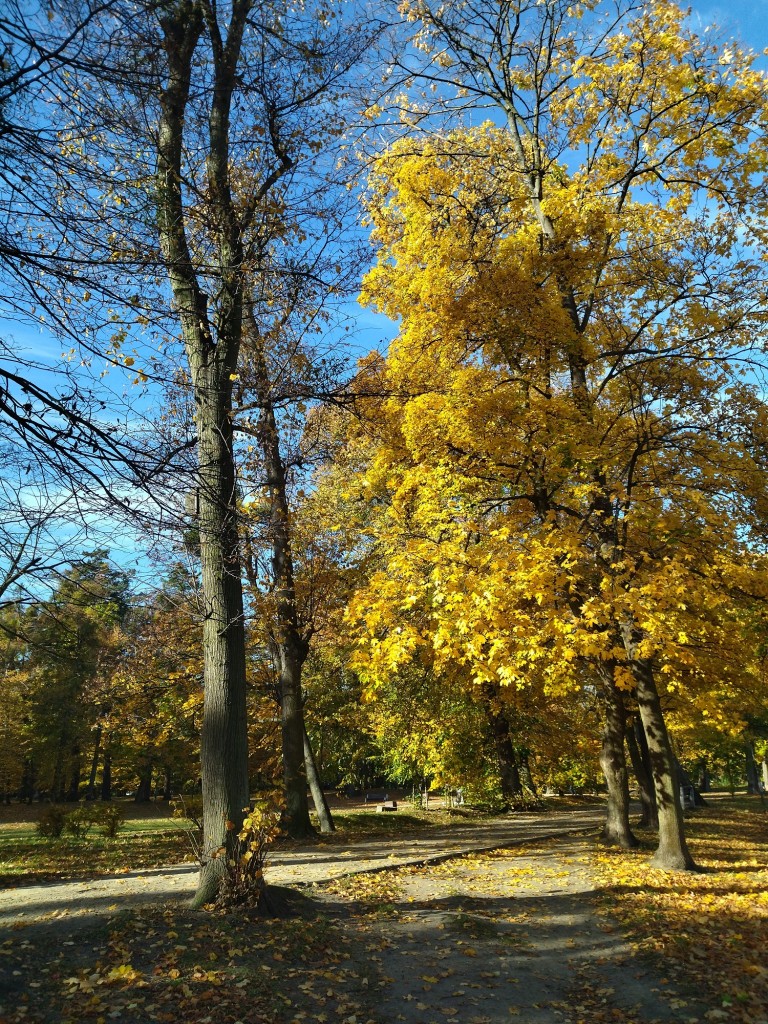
column 520, row 933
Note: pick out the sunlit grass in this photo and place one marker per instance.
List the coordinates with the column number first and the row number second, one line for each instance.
column 26, row 857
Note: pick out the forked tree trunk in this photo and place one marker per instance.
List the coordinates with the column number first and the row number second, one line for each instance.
column 617, row 830
column 322, row 809
column 638, row 752
column 672, row 853
column 213, row 362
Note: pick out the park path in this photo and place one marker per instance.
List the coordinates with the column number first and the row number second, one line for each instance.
column 514, row 934
column 478, row 923
column 296, row 865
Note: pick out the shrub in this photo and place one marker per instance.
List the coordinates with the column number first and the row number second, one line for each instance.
column 52, row 820
column 107, row 818
column 244, row 858
column 79, row 823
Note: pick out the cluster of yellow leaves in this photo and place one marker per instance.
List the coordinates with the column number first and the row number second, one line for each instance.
column 564, row 444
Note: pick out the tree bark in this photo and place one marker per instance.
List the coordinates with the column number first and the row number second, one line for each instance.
column 213, row 365
column 144, row 789
column 322, row 809
column 672, row 853
column 75, row 769
column 617, row 830
column 526, row 775
column 509, row 770
column 290, row 646
column 106, row 777
column 90, row 793
column 753, row 779
column 638, row 752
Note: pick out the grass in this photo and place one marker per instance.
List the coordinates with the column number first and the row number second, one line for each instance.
column 27, row 858
column 152, row 840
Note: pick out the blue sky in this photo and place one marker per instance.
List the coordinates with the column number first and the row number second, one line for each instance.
column 747, row 20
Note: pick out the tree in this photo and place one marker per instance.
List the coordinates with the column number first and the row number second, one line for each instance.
column 72, row 645
column 579, row 279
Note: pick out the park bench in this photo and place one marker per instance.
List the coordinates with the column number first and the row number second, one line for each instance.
column 376, row 797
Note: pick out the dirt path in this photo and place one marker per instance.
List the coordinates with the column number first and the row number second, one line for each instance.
column 302, row 865
column 502, row 936
column 483, row 938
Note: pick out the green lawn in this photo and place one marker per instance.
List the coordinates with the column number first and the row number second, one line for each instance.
column 26, row 857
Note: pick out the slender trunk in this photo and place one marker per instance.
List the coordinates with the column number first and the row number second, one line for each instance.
column 753, row 780
column 27, row 793
column 106, row 777
column 75, row 770
column 638, row 752
column 765, row 774
column 616, row 831
column 168, row 786
column 526, row 775
column 509, row 770
column 289, row 644
column 705, row 782
column 57, row 784
column 322, row 809
column 672, row 853
column 213, row 364
column 90, row 793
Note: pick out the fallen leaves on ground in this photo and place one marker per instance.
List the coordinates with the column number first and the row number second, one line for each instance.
column 710, row 928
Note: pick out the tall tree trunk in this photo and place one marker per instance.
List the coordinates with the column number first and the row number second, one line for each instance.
column 290, row 646
column 638, row 752
column 616, row 831
column 75, row 771
column 296, row 818
column 57, row 783
column 144, row 789
column 322, row 809
column 106, row 776
column 90, row 793
column 672, row 853
column 753, row 779
column 213, row 361
column 526, row 775
column 509, row 770
column 27, row 792
column 168, row 784
column 705, row 783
